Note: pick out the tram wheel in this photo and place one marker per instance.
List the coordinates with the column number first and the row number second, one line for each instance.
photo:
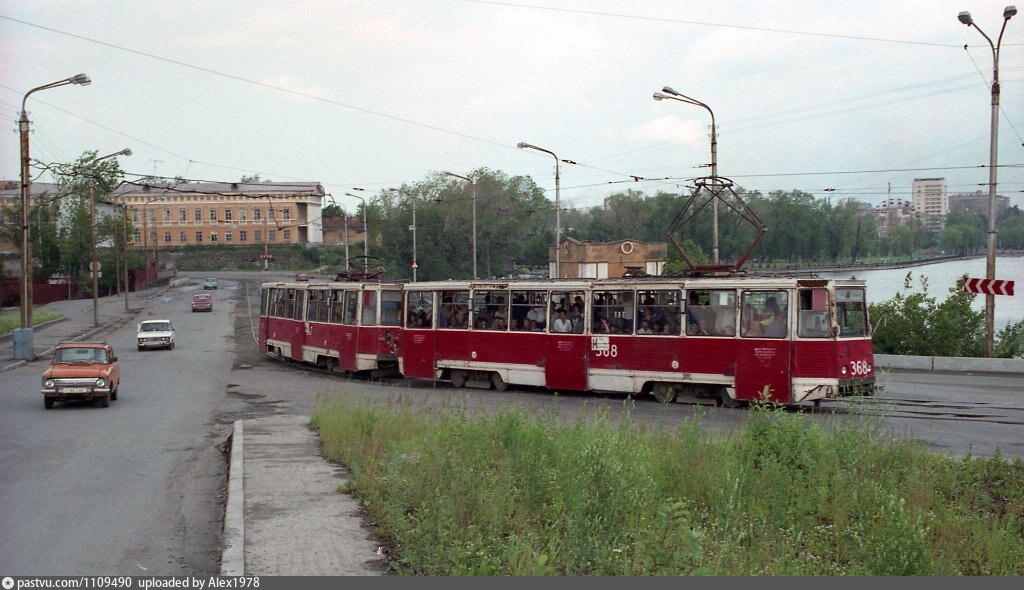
column 664, row 393
column 499, row 383
column 458, row 379
column 726, row 400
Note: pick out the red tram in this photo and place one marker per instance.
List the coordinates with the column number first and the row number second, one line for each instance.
column 734, row 339
column 339, row 326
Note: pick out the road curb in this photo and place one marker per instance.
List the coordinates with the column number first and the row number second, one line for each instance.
column 232, row 561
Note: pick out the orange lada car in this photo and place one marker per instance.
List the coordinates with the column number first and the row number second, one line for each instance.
column 82, row 371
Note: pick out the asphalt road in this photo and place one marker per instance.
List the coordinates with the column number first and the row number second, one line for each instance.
column 133, row 489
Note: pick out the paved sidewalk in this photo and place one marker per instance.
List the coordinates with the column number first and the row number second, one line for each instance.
column 284, row 515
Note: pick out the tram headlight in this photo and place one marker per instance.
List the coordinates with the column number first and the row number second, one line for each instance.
column 842, row 370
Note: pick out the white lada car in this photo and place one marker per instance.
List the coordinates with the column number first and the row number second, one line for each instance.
column 156, row 334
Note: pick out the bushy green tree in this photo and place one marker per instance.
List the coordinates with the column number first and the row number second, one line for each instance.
column 914, row 323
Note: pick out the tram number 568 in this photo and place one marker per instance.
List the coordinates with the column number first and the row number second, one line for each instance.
column 602, row 347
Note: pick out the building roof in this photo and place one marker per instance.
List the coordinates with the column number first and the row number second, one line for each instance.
column 231, row 189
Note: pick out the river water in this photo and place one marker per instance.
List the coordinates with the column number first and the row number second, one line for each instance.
column 942, row 276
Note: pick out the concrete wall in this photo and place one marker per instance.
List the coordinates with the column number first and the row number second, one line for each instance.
column 949, row 363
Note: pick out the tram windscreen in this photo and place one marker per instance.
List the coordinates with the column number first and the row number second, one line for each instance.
column 851, row 313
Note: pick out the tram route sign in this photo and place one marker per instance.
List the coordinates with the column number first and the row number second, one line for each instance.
column 989, row 286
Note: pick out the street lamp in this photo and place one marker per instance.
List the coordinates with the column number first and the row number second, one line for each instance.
column 366, row 231
column 94, row 266
column 26, row 242
column 473, row 184
column 990, row 267
column 558, row 208
column 669, row 93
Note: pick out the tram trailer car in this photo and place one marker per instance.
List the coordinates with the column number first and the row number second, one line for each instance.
column 734, row 339
column 338, row 326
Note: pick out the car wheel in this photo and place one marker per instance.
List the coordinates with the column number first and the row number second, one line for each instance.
column 104, row 402
column 140, row 348
column 48, row 403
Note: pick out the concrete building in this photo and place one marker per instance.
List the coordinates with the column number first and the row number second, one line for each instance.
column 602, row 260
column 929, row 198
column 977, row 202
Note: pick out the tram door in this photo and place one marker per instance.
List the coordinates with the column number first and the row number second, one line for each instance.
column 568, row 352
column 764, row 348
column 418, row 341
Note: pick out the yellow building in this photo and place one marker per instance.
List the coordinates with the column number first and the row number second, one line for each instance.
column 271, row 213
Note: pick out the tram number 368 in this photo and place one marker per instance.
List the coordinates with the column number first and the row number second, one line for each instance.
column 602, row 348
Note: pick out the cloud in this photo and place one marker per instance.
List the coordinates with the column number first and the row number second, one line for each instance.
column 670, row 129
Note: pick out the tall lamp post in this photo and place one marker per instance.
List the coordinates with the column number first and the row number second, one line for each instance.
column 670, row 94
column 473, row 184
column 145, row 238
column 94, row 266
column 993, row 154
column 366, row 232
column 558, row 207
column 26, row 198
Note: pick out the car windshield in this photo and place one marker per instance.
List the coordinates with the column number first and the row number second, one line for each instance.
column 156, row 327
column 81, row 355
column 201, row 298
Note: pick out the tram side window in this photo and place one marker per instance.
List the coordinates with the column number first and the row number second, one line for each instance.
column 264, row 301
column 658, row 312
column 391, row 308
column 272, row 299
column 369, row 315
column 337, row 306
column 490, row 310
column 454, row 314
column 318, row 308
column 613, row 312
column 420, row 309
column 351, row 302
column 574, row 306
column 523, row 313
column 812, row 319
column 851, row 313
column 765, row 314
column 711, row 312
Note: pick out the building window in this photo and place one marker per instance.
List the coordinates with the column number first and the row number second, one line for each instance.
column 286, row 213
column 182, row 216
column 287, row 235
column 167, row 237
column 197, row 215
column 213, row 215
column 270, row 214
column 136, row 238
column 256, row 213
column 258, row 236
column 151, row 215
column 227, row 215
column 242, row 214
column 271, row 236
column 213, row 236
column 135, row 216
column 152, row 237
column 182, row 237
column 199, row 236
column 167, row 215
column 243, row 236
column 227, row 236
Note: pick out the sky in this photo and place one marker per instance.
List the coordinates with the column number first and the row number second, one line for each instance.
column 837, row 100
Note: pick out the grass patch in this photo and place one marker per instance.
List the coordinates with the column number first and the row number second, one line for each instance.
column 459, row 492
column 11, row 319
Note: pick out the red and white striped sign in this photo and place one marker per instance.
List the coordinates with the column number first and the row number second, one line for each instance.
column 989, row 286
